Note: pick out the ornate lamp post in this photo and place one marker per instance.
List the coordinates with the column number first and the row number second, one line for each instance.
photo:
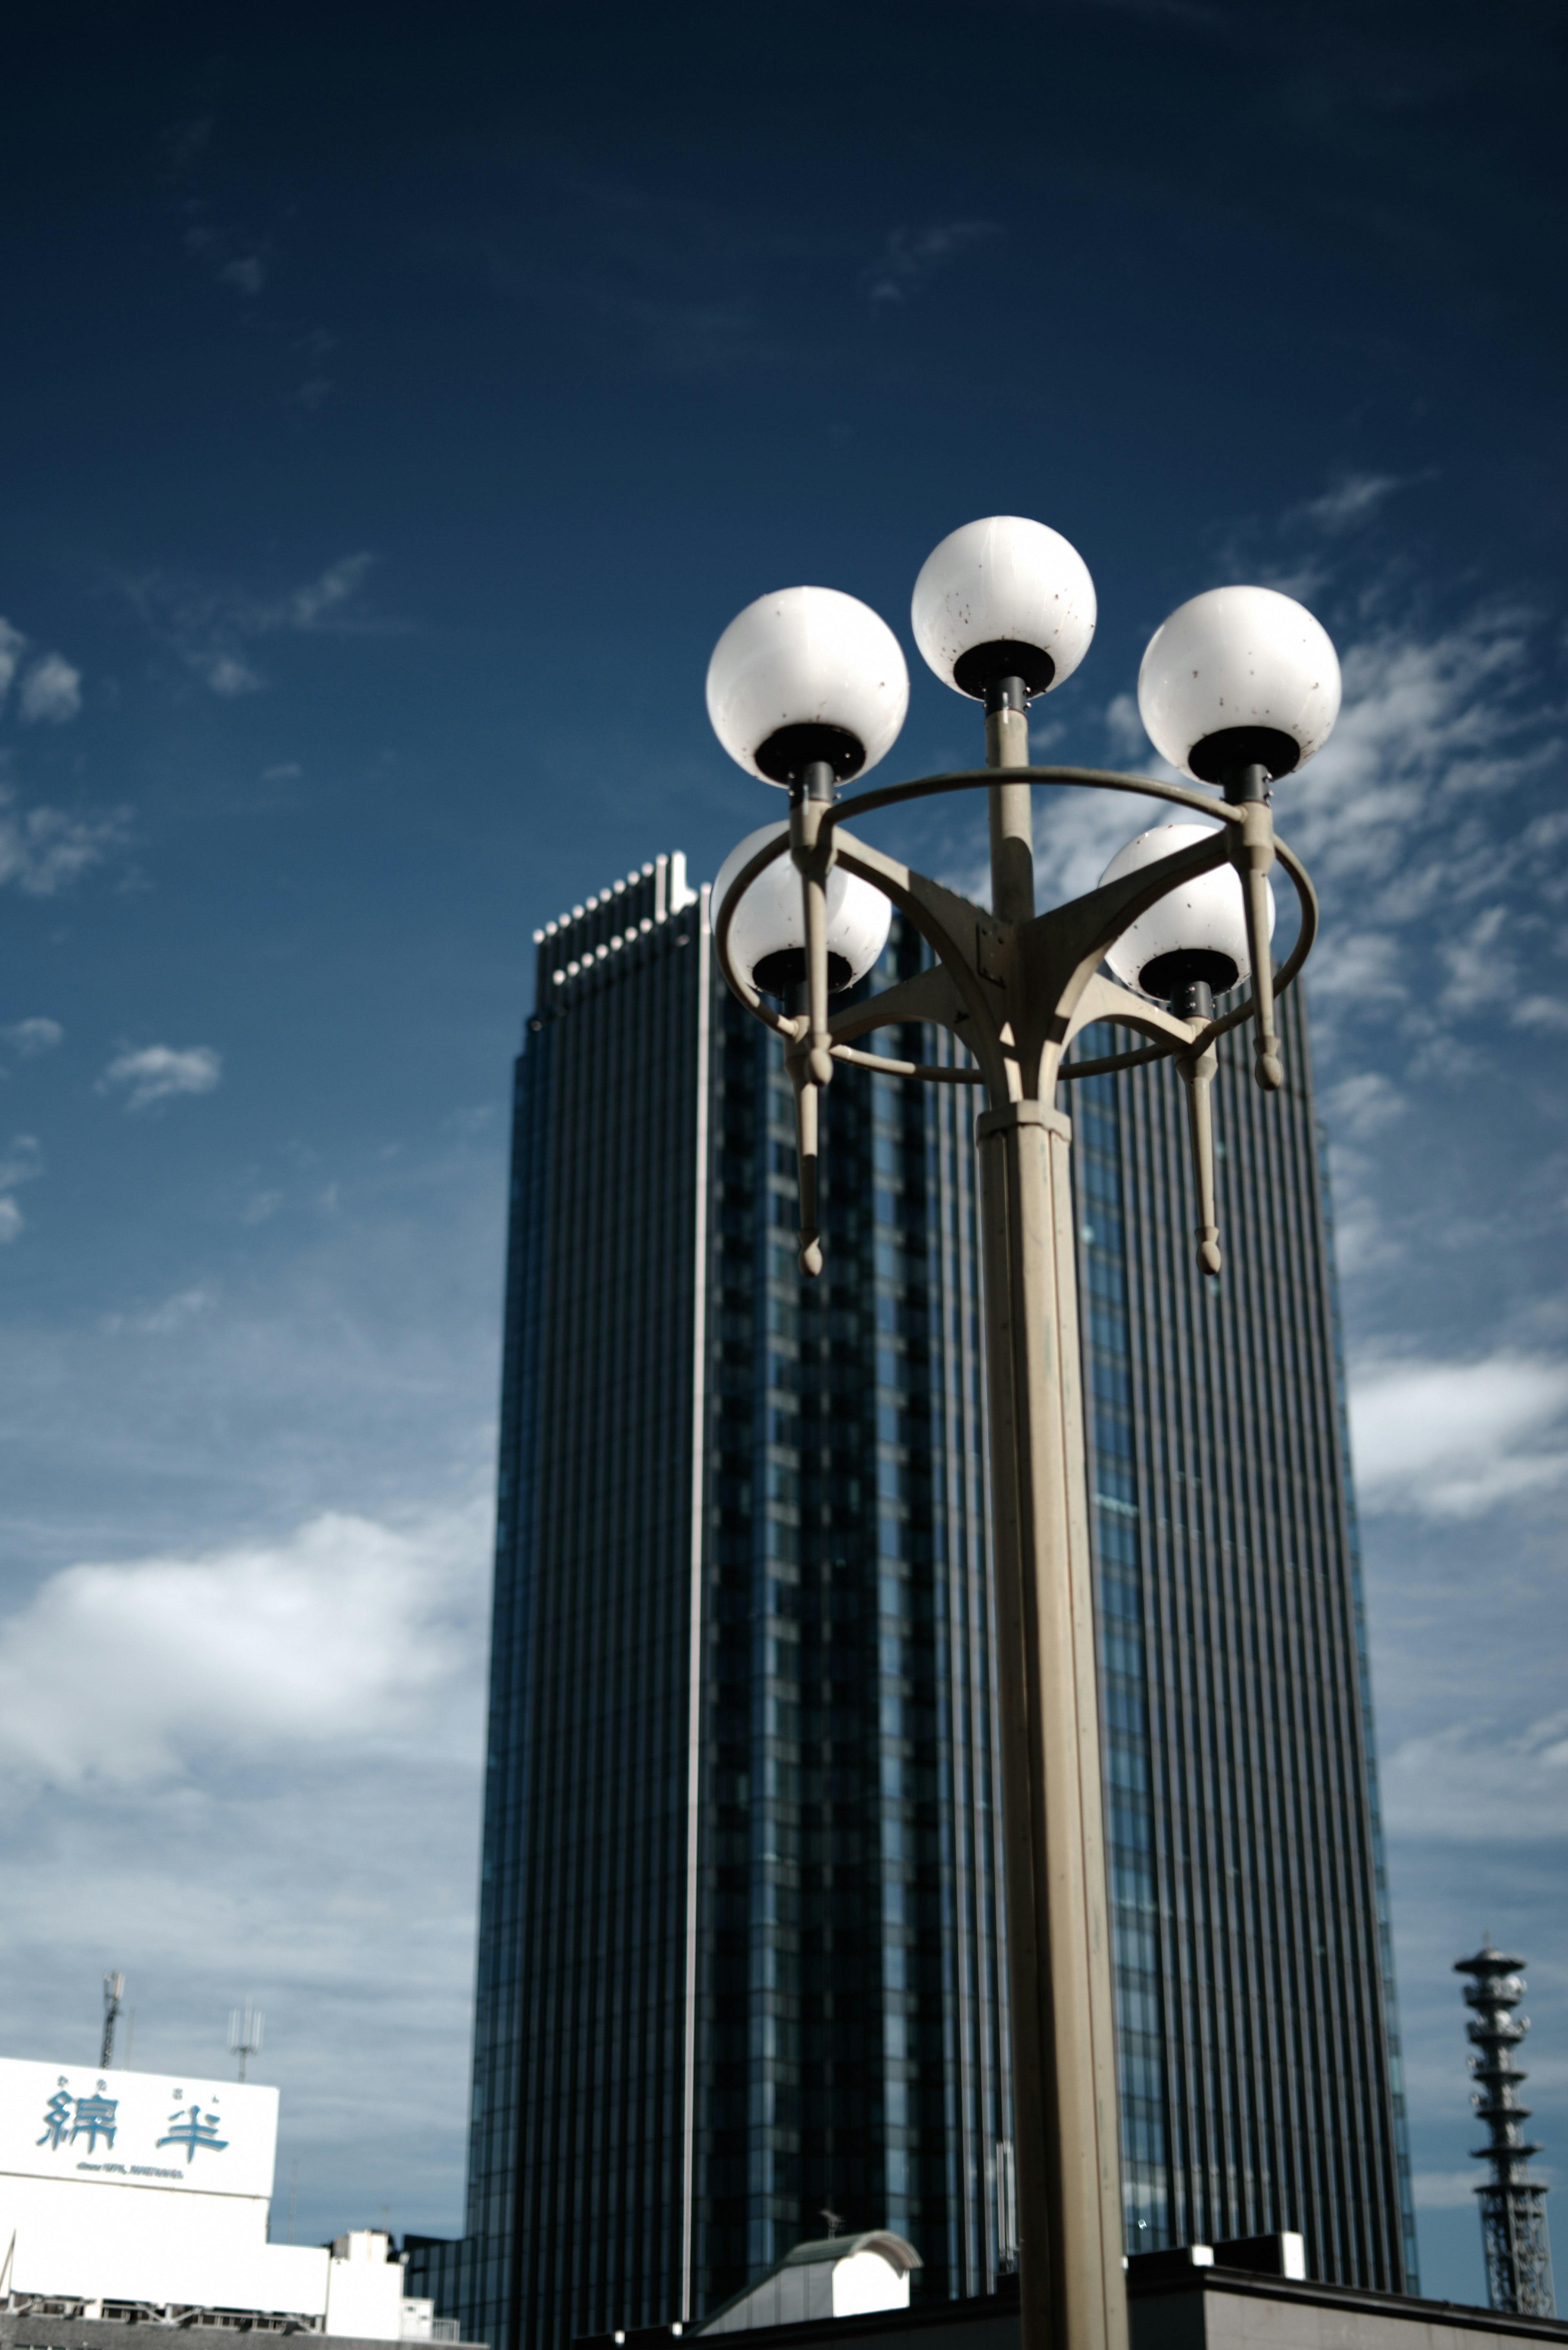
column 806, row 689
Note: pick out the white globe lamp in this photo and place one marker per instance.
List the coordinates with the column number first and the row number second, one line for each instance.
column 1197, row 931
column 767, row 934
column 1003, row 598
column 1239, row 677
column 803, row 677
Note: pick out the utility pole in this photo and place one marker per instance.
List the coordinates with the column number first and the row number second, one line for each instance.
column 113, row 1999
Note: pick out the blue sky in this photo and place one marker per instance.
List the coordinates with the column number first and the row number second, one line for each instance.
column 396, row 407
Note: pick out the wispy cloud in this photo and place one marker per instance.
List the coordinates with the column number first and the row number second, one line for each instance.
column 23, row 1162
column 1548, row 1012
column 157, row 1073
column 246, row 275
column 1459, row 1783
column 51, row 691
column 1364, row 1104
column 215, row 633
column 910, row 258
column 1444, row 2190
column 1448, row 1440
column 1353, row 498
column 30, row 1037
column 238, row 260
column 312, row 606
column 174, row 1314
column 13, row 643
column 43, row 849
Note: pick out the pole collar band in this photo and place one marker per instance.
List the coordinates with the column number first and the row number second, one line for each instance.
column 1022, row 1113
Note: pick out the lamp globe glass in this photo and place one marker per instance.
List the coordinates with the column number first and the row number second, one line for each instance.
column 807, row 673
column 767, row 936
column 1199, row 931
column 1239, row 675
column 1003, row 596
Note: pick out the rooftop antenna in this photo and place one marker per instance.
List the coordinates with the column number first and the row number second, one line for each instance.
column 113, row 1999
column 245, row 2033
column 1513, row 2215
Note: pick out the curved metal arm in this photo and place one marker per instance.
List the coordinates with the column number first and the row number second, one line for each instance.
column 1239, row 1013
column 1072, row 940
column 787, row 1027
column 965, row 779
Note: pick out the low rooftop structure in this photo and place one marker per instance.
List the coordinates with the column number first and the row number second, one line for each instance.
column 831, row 2276
column 1237, row 2297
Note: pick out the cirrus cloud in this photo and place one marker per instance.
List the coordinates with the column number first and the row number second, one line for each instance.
column 158, row 1072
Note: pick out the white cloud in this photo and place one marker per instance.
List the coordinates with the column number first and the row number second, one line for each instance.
column 1363, row 1105
column 43, row 850
column 1540, row 1012
column 175, row 1313
column 908, row 260
column 30, row 1037
column 158, row 1072
column 310, row 605
column 247, row 275
column 213, row 632
column 1357, row 967
column 1353, row 499
column 1428, row 729
column 1444, row 2190
column 331, row 1635
column 1452, row 1440
column 1481, row 968
column 228, row 674
column 1459, row 1783
column 11, row 643
column 22, row 1163
column 51, row 691
column 1124, row 730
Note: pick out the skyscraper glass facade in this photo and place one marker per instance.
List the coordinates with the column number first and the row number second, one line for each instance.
column 741, row 1906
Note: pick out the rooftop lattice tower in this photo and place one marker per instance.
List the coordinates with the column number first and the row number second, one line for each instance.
column 1513, row 2212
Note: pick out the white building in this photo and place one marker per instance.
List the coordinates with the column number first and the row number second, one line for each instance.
column 123, row 2193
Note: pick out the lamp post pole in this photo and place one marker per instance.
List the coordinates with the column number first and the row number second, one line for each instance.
column 1015, row 987
column 1015, row 991
column 1059, row 1923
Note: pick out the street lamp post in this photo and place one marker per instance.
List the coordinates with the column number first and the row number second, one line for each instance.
column 806, row 689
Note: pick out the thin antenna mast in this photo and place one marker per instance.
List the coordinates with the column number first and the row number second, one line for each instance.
column 245, row 2033
column 113, row 1999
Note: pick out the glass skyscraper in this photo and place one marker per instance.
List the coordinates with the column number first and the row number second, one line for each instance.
column 740, row 1958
